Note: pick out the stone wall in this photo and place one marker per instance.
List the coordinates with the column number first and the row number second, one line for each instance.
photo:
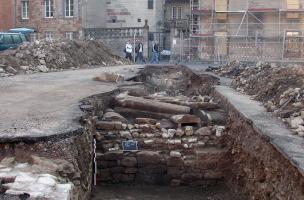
column 199, row 159
column 116, row 38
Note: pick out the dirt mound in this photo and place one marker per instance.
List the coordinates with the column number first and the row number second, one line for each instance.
column 176, row 79
column 44, row 56
column 281, row 89
column 231, row 69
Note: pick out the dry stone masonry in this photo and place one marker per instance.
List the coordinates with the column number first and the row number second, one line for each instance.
column 180, row 138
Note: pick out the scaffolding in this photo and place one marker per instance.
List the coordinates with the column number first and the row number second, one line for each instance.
column 252, row 30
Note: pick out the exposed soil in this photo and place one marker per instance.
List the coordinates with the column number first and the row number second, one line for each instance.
column 141, row 192
column 280, row 89
column 175, row 80
column 44, row 56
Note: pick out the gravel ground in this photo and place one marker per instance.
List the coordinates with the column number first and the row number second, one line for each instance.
column 140, row 192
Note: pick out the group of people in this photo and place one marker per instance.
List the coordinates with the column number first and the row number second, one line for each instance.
column 139, row 50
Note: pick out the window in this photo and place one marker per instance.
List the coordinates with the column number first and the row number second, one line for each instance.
column 23, row 38
column 69, row 35
column 7, row 39
column 24, row 9
column 69, row 8
column 17, row 39
column 150, row 4
column 48, row 35
column 113, row 20
column 179, row 12
column 49, row 7
column 138, row 20
column 173, row 12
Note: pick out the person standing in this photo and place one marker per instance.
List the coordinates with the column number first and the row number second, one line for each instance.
column 139, row 52
column 155, row 50
column 128, row 50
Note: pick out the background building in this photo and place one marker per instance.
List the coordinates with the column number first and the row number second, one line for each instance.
column 118, row 21
column 177, row 23
column 123, row 13
column 50, row 19
column 250, row 30
column 7, row 17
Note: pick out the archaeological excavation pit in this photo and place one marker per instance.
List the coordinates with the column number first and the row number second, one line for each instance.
column 167, row 133
column 178, row 131
column 191, row 143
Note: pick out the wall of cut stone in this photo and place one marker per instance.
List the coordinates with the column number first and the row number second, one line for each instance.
column 197, row 160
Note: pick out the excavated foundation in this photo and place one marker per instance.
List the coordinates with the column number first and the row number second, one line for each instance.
column 179, row 130
column 191, row 143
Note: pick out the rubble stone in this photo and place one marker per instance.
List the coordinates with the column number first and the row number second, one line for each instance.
column 57, row 55
column 113, row 116
column 175, row 154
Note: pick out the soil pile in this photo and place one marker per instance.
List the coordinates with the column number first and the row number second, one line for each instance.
column 45, row 56
column 281, row 89
column 231, row 69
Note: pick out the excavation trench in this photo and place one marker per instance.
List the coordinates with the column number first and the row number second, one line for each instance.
column 177, row 132
column 166, row 134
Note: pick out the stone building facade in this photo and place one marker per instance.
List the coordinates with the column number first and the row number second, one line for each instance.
column 6, row 15
column 124, row 13
column 177, row 19
column 50, row 19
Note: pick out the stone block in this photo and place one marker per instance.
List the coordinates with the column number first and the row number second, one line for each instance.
column 145, row 121
column 175, row 162
column 113, row 155
column 175, row 154
column 129, row 161
column 127, row 178
column 212, row 174
column 125, row 134
column 191, row 177
column 148, row 157
column 113, row 116
column 204, row 131
column 131, row 170
column 174, row 172
column 186, row 119
column 104, row 125
column 117, row 170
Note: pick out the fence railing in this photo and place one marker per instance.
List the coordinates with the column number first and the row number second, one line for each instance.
column 214, row 50
column 104, row 33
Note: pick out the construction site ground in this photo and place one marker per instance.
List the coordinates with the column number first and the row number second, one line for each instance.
column 43, row 105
